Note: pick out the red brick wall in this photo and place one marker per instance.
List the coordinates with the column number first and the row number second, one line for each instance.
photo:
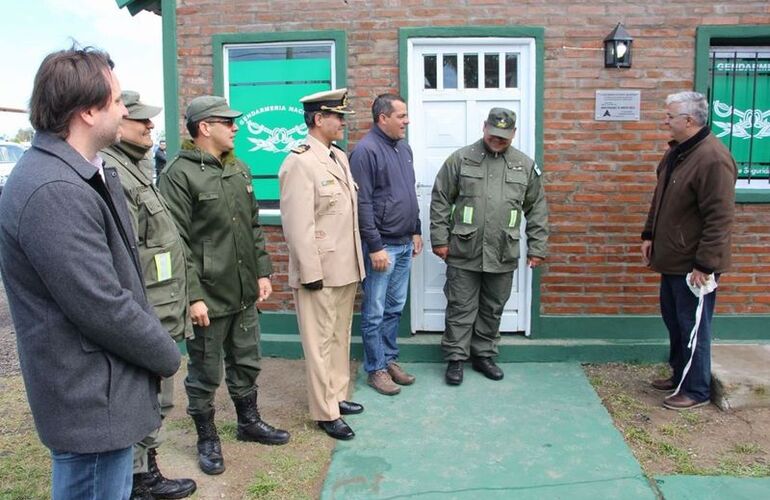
column 600, row 175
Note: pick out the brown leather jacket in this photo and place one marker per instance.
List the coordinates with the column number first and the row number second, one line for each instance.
column 692, row 211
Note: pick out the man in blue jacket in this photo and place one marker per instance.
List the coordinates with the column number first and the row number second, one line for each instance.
column 389, row 221
column 91, row 349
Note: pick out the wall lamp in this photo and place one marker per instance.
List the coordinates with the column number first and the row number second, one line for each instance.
column 617, row 48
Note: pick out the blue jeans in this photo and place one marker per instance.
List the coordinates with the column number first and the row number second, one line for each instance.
column 92, row 476
column 677, row 306
column 384, row 299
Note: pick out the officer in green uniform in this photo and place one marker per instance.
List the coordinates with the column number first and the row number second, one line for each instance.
column 209, row 193
column 162, row 257
column 479, row 199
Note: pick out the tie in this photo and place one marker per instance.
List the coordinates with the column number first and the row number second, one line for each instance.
column 331, row 155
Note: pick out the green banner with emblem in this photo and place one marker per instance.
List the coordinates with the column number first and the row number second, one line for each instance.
column 266, row 84
column 740, row 109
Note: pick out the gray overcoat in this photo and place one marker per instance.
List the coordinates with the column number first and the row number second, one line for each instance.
column 90, row 347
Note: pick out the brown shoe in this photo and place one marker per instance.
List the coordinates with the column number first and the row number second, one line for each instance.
column 382, row 383
column 398, row 374
column 682, row 402
column 664, row 384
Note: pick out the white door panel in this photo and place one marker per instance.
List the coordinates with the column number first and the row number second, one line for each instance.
column 444, row 119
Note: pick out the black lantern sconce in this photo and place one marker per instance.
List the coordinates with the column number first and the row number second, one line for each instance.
column 617, row 48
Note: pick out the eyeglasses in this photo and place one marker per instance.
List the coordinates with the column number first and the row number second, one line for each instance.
column 671, row 117
column 227, row 122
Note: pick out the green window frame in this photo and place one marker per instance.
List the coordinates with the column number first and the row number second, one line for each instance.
column 264, row 76
column 711, row 39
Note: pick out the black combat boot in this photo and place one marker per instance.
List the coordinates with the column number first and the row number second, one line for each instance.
column 139, row 490
column 209, row 449
column 251, row 427
column 161, row 487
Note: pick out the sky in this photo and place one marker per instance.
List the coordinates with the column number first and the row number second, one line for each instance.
column 31, row 29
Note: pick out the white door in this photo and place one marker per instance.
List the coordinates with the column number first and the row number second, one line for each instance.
column 453, row 83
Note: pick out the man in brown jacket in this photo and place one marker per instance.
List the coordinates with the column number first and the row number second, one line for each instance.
column 320, row 223
column 688, row 230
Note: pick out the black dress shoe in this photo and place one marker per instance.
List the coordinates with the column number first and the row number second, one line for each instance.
column 350, row 408
column 337, row 429
column 488, row 368
column 454, row 373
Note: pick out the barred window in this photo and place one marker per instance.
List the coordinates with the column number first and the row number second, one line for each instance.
column 739, row 108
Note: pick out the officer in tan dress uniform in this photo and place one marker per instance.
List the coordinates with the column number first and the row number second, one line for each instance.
column 320, row 224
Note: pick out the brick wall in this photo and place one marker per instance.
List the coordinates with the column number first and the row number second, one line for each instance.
column 599, row 175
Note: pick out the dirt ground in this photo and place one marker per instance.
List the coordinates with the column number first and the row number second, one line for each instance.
column 704, row 441
column 295, row 470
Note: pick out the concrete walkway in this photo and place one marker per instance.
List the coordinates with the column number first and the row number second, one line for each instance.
column 540, row 433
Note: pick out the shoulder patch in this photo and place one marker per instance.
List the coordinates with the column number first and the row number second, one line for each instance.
column 300, row 149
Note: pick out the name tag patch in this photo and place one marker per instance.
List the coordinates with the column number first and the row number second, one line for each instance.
column 514, row 217
column 467, row 215
column 163, row 266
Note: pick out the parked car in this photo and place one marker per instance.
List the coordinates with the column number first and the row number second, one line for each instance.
column 10, row 152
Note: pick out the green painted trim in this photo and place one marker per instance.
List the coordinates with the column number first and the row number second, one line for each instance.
column 427, row 349
column 535, row 317
column 278, row 323
column 639, row 339
column 269, row 220
column 621, row 328
column 337, row 36
column 285, row 323
column 538, row 33
column 726, row 327
column 748, row 196
column 739, row 34
column 705, row 37
column 170, row 76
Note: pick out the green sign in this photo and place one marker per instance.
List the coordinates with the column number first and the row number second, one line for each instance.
column 740, row 111
column 266, row 84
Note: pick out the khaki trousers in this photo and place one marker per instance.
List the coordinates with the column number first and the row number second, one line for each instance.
column 324, row 318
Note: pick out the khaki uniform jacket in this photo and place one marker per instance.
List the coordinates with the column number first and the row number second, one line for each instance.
column 161, row 250
column 213, row 205
column 477, row 204
column 690, row 221
column 319, row 212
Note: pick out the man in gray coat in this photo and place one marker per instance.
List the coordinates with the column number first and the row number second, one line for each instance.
column 91, row 349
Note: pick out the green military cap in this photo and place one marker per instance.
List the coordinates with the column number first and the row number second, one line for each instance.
column 334, row 101
column 207, row 106
column 501, row 122
column 137, row 110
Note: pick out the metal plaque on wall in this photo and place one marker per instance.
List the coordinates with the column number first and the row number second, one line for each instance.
column 617, row 105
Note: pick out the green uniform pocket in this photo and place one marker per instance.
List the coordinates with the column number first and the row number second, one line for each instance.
column 509, row 246
column 462, row 241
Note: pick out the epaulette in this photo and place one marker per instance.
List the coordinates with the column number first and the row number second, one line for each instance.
column 300, row 149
